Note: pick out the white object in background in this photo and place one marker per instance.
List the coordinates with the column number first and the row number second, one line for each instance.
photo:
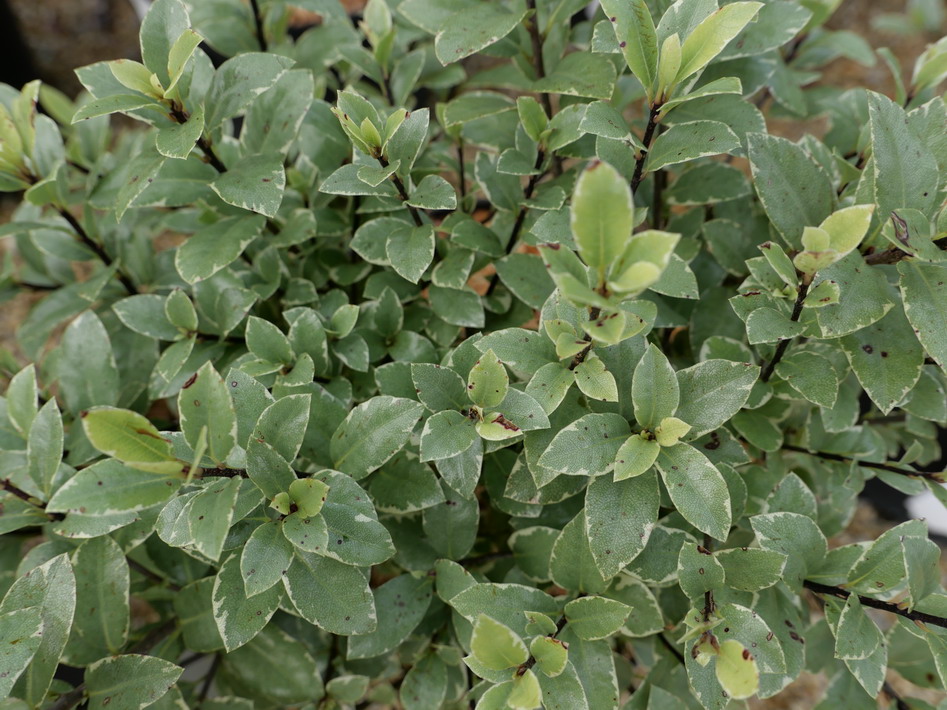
column 926, row 505
column 141, row 7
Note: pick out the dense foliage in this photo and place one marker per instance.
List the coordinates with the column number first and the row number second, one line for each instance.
column 474, row 352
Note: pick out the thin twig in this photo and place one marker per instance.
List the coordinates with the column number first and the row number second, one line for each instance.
column 153, row 576
column 889, row 607
column 6, row 485
column 531, row 661
column 258, row 23
column 209, row 679
column 670, row 647
column 521, row 215
column 933, row 475
column 784, row 343
column 646, row 140
column 96, row 248
column 402, row 192
column 537, row 42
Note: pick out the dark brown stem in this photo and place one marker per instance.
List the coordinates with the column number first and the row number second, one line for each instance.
column 258, row 23
column 179, row 115
column 461, row 170
column 402, row 192
column 484, row 559
column 646, row 140
column 537, row 42
column 783, row 344
column 154, row 577
column 96, row 248
column 209, row 679
column 932, row 475
column 670, row 647
column 208, row 149
column 890, row 607
column 531, row 661
column 584, row 352
column 899, row 702
column 6, row 485
column 521, row 215
column 709, row 604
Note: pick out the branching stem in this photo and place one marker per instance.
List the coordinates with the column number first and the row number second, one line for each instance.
column 784, row 343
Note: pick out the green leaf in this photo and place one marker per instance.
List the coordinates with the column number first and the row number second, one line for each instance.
column 635, row 457
column 924, row 289
column 496, row 646
column 145, row 314
column 401, row 604
column 276, row 654
column 177, row 141
column 595, row 381
column 109, row 487
column 684, row 142
column 372, row 433
column 238, row 81
column 857, row 637
column 50, row 588
column 795, row 536
column 710, row 37
column 255, row 183
column 654, row 389
column 602, row 217
column 266, row 555
column 21, row 633
column 904, row 168
column 811, row 375
column 712, row 392
column 571, row 565
column 210, row 514
column 592, row 618
column 504, row 603
column 446, row 434
column 333, row 596
column 488, row 382
column 410, row 250
column 165, row 22
column 44, row 446
column 433, row 193
column 283, row 425
column 240, row 617
column 697, row 488
column 886, row 358
column 22, row 395
column 130, row 438
column 129, row 682
column 355, row 535
column 794, row 191
column 204, row 402
column 437, row 387
column 736, row 668
column 525, row 693
column 634, row 30
column 579, row 74
column 474, row 28
column 96, row 382
column 212, row 248
column 550, row 654
column 751, row 569
column 587, row 447
column 619, row 518
column 102, row 582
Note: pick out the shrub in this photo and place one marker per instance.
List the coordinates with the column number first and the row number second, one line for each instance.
column 395, row 378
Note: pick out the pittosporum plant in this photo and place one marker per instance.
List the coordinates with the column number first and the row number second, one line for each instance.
column 376, row 374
